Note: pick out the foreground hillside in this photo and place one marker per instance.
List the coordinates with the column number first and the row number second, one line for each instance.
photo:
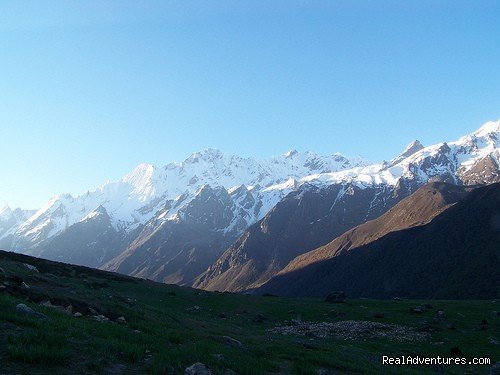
column 132, row 326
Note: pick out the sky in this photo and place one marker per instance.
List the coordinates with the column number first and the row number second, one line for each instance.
column 90, row 89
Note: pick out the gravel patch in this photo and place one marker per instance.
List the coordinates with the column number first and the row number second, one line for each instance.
column 352, row 330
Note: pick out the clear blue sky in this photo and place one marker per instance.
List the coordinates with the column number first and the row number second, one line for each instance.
column 89, row 89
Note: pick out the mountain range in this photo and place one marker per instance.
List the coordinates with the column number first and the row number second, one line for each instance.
column 223, row 222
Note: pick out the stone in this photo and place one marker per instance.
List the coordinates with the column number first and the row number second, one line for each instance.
column 92, row 311
column 26, row 310
column 336, row 297
column 24, row 285
column 77, row 315
column 416, row 310
column 69, row 309
column 198, row 369
column 31, row 267
column 1, row 270
column 227, row 340
column 121, row 320
column 100, row 318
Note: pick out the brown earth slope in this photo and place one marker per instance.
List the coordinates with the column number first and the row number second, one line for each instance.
column 418, row 209
column 456, row 255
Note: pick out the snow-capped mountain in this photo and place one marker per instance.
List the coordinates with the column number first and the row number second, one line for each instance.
column 172, row 223
column 473, row 159
column 11, row 219
column 137, row 197
column 326, row 205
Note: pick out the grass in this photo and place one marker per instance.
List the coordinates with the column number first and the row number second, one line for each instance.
column 164, row 334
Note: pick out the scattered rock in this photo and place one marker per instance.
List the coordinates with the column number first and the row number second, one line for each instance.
column 198, row 369
column 121, row 320
column 31, row 267
column 494, row 342
column 456, row 352
column 336, row 297
column 440, row 313
column 77, row 315
column 2, row 288
column 495, row 369
column 24, row 285
column 23, row 309
column 68, row 310
column 136, row 331
column 352, row 329
column 297, row 321
column 1, row 270
column 227, row 340
column 322, row 371
column 46, row 304
column 100, row 318
column 92, row 311
column 423, row 308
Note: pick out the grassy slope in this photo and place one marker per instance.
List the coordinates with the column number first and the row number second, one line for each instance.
column 171, row 337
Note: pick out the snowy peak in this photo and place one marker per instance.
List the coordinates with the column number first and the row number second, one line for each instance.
column 99, row 213
column 411, row 149
column 489, row 128
column 252, row 186
column 290, row 154
column 473, row 159
column 5, row 213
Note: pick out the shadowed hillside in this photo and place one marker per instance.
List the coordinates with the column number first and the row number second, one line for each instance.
column 456, row 255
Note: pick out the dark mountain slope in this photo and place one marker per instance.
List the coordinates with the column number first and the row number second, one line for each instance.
column 456, row 255
column 417, row 209
column 304, row 220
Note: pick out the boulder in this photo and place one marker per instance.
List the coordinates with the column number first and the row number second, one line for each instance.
column 198, row 369
column 31, row 267
column 336, row 297
column 26, row 310
column 100, row 318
